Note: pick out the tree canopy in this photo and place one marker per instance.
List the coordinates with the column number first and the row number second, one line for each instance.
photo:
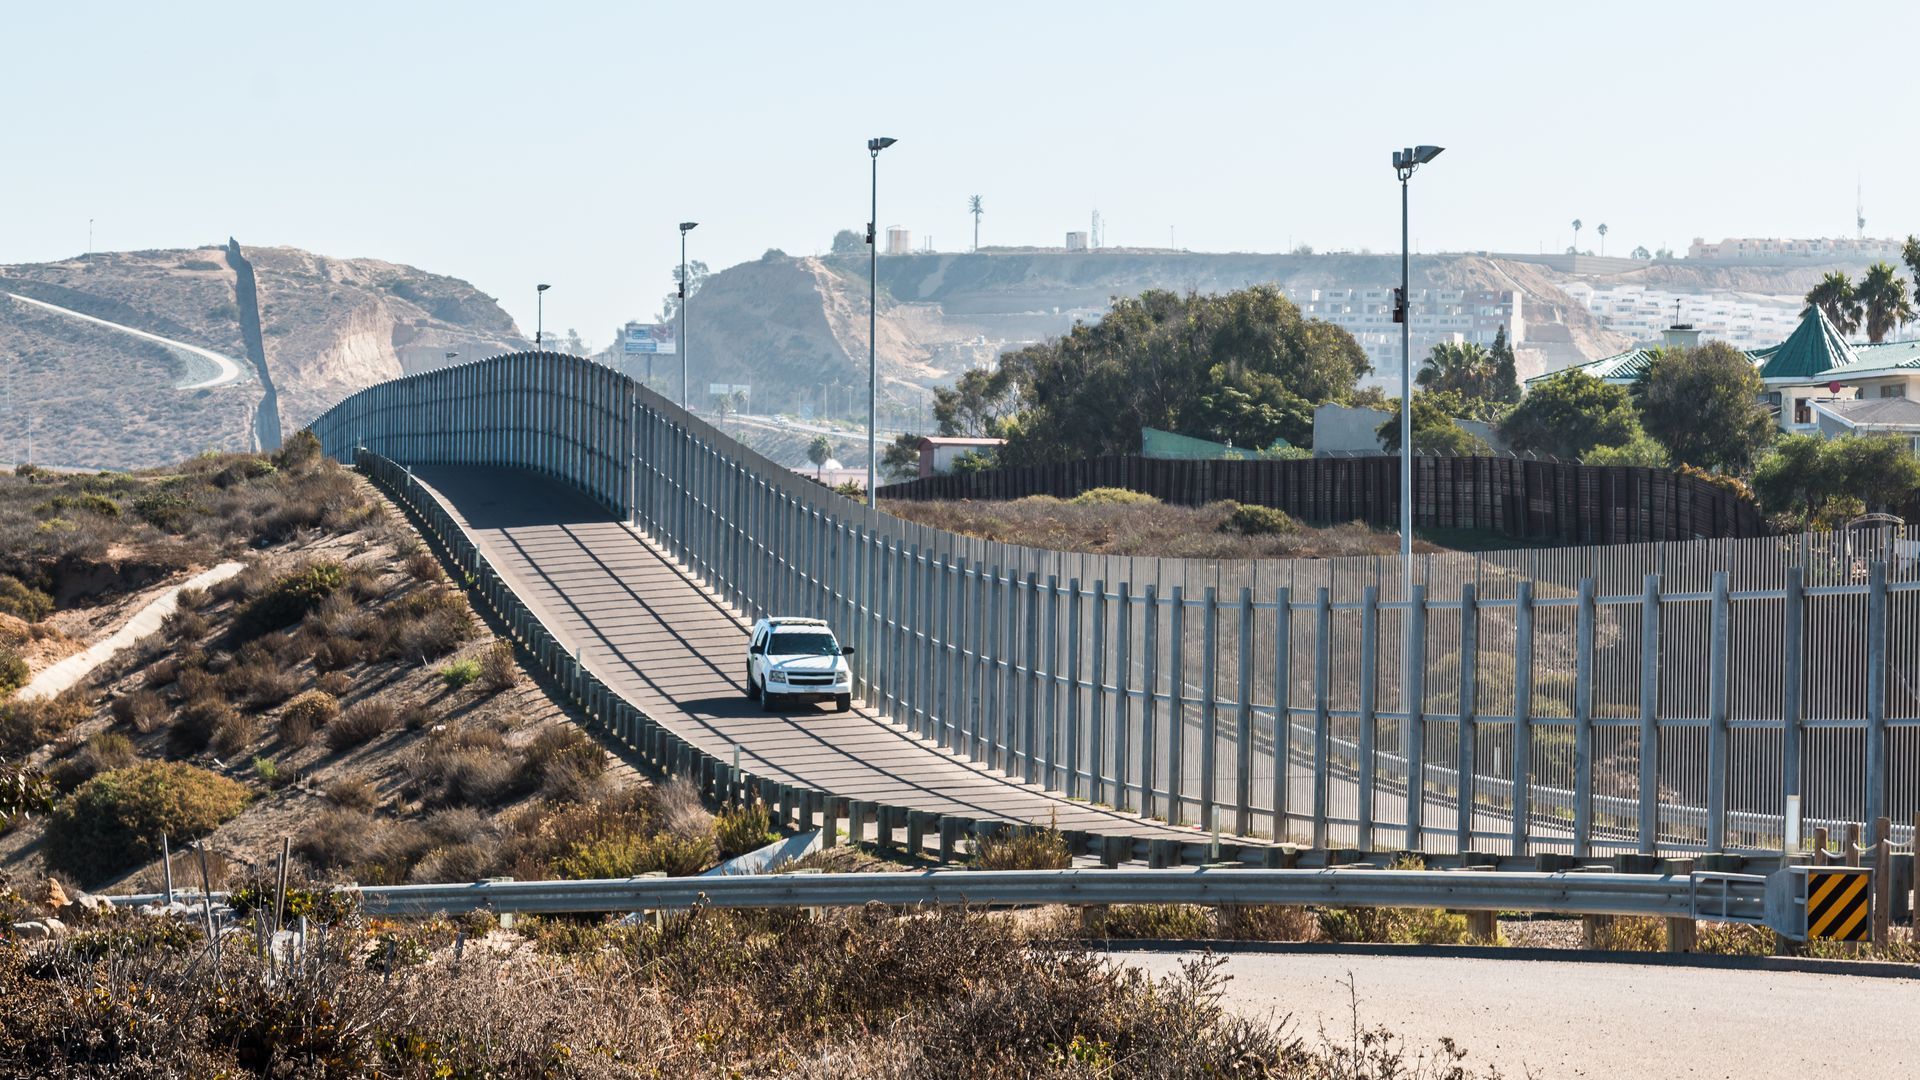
column 1243, row 367
column 1803, row 473
column 1835, row 297
column 1569, row 414
column 1703, row 405
column 847, row 242
column 1883, row 301
column 1483, row 381
column 1435, row 431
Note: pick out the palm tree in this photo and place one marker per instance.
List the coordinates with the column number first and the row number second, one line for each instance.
column 1910, row 254
column 1883, row 299
column 1836, row 298
column 973, row 207
column 1576, row 236
column 818, row 451
column 1602, row 230
column 1462, row 368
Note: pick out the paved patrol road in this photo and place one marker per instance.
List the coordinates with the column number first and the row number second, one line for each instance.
column 1555, row 1021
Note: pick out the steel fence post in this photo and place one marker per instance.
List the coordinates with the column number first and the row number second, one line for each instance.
column 1149, row 702
column 1282, row 708
column 1209, row 707
column 1031, row 767
column 1522, row 765
column 1176, row 705
column 1322, row 719
column 1122, row 690
column 1792, row 732
column 1583, row 721
column 1072, row 750
column 1414, row 693
column 1876, row 778
column 1718, row 735
column 1096, row 715
column 1243, row 722
column 1464, row 779
column 1650, row 716
column 1367, row 762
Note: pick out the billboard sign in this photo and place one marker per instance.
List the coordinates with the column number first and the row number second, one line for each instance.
column 648, row 339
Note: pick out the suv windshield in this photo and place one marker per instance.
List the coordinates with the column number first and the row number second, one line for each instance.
column 791, row 644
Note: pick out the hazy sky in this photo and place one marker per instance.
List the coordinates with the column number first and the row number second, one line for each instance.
column 561, row 142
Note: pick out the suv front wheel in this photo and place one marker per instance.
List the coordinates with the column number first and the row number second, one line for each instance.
column 843, row 702
column 753, row 688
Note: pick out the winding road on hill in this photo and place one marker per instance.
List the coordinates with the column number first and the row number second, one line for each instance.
column 228, row 370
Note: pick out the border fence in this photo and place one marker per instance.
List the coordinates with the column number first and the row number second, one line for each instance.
column 1552, row 501
column 1706, row 695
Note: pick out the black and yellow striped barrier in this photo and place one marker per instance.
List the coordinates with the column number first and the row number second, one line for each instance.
column 1839, row 903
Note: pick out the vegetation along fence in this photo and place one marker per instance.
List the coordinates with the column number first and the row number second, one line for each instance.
column 1556, row 502
column 1706, row 695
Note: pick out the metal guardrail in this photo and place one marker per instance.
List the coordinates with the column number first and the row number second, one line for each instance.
column 1734, row 896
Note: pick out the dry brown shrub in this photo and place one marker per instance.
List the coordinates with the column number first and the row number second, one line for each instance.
column 194, row 599
column 199, row 719
column 468, row 768
column 259, row 682
column 566, row 764
column 424, row 568
column 498, row 669
column 335, row 683
column 234, row 733
column 102, row 753
column 339, row 837
column 1024, row 849
column 353, row 793
column 25, row 726
column 361, row 724
column 676, row 806
column 305, row 715
column 417, row 715
column 185, row 624
column 141, row 710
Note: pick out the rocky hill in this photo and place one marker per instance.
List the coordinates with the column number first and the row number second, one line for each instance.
column 96, row 395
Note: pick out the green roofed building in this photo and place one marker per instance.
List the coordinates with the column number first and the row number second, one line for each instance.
column 1815, row 364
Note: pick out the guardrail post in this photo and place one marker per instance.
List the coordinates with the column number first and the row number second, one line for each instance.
column 1883, row 880
column 1367, row 765
column 1074, row 715
column 1469, row 675
column 1097, row 698
column 1149, row 701
column 1282, row 708
column 1583, row 721
column 1209, row 708
column 1876, row 690
column 1176, row 704
column 950, row 830
column 1792, row 660
column 1322, row 735
column 1414, row 696
column 1243, row 723
column 1522, row 818
column 1650, row 716
column 1717, row 712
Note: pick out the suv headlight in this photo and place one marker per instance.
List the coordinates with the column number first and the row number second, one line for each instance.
column 776, row 676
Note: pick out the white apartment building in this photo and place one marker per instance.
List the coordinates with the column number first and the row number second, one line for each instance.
column 1770, row 249
column 1643, row 314
column 1439, row 316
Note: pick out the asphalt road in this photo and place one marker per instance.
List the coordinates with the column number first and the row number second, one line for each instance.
column 1568, row 1020
column 673, row 648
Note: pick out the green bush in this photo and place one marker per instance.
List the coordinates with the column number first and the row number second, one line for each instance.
column 742, row 829
column 1393, row 926
column 1111, row 496
column 13, row 671
column 1024, row 849
column 168, row 511
column 1259, row 521
column 21, row 601
column 624, row 854
column 289, row 599
column 460, row 673
column 115, row 821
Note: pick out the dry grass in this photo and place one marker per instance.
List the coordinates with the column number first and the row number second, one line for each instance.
column 1143, row 528
column 360, row 725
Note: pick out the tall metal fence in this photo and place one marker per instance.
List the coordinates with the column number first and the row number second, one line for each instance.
column 1551, row 501
column 1711, row 695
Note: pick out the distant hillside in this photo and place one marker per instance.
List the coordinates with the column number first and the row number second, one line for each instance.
column 100, row 397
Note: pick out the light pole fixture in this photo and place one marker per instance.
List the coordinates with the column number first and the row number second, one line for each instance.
column 451, row 357
column 874, row 146
column 539, row 316
column 1404, row 163
column 685, row 228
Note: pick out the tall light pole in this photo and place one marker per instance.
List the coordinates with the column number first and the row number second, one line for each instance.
column 1404, row 164
column 539, row 316
column 874, row 146
column 685, row 228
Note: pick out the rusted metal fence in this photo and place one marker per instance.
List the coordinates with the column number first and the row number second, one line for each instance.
column 1550, row 501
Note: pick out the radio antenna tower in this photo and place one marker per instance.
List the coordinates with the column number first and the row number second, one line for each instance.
column 1094, row 236
column 1859, row 212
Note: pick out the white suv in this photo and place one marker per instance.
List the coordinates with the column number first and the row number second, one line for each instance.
column 797, row 659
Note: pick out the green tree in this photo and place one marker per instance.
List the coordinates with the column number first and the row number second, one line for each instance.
column 900, row 459
column 1435, row 431
column 1506, row 375
column 1483, row 380
column 1643, row 450
column 1803, row 473
column 1703, row 405
column 978, row 404
column 1883, row 301
column 848, row 242
column 1910, row 254
column 818, row 451
column 1167, row 361
column 1569, row 414
column 1641, row 253
column 1835, row 297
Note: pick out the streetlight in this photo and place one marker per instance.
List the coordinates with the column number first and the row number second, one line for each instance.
column 451, row 357
column 685, row 228
column 874, row 146
column 539, row 315
column 1404, row 164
